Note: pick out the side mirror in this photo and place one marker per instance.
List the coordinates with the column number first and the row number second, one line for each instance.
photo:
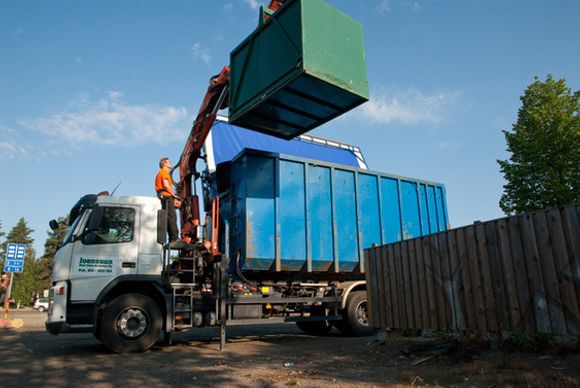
column 53, row 224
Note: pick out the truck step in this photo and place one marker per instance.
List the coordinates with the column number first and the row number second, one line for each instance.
column 182, row 327
column 182, row 285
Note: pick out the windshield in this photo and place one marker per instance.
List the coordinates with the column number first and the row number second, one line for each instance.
column 69, row 234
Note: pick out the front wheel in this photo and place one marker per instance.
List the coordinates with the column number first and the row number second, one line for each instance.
column 356, row 320
column 130, row 323
column 41, row 309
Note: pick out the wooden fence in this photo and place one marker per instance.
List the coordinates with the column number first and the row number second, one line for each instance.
column 515, row 274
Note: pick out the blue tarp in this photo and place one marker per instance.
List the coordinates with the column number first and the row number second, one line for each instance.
column 229, row 140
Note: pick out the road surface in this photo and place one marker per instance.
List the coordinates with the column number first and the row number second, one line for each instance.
column 262, row 356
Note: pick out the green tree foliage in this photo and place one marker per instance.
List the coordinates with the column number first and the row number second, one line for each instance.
column 45, row 263
column 544, row 167
column 23, row 286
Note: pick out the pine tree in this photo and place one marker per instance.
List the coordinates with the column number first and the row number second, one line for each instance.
column 45, row 264
column 544, row 167
column 23, row 286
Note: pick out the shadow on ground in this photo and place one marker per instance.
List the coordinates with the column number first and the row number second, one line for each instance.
column 278, row 355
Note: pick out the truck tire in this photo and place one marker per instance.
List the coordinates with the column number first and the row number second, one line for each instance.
column 130, row 323
column 315, row 327
column 355, row 321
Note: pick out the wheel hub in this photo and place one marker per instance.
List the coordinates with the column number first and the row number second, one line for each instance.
column 362, row 313
column 132, row 323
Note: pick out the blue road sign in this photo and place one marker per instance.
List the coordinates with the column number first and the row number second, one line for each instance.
column 8, row 269
column 15, row 258
column 15, row 251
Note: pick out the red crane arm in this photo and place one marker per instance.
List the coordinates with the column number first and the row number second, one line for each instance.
column 215, row 99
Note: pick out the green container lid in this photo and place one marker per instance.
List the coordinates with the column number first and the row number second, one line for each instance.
column 302, row 67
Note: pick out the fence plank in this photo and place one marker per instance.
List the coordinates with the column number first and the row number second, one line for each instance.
column 386, row 313
column 476, row 279
column 486, row 279
column 571, row 218
column 445, row 279
column 433, row 307
column 497, row 276
column 552, row 296
column 507, row 263
column 389, row 286
column 422, row 283
column 562, row 262
column 466, row 288
column 532, row 257
column 374, row 293
column 408, row 289
column 371, row 286
column 436, row 276
column 525, row 298
column 394, row 288
column 381, row 296
column 458, row 312
column 412, row 258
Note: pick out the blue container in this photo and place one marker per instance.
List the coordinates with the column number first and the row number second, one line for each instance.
column 293, row 214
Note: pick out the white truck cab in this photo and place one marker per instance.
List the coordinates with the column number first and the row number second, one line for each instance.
column 111, row 240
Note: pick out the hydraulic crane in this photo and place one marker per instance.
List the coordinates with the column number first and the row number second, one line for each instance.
column 216, row 98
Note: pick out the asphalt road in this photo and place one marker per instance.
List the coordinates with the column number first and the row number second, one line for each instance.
column 264, row 356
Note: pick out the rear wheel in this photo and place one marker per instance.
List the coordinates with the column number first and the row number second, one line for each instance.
column 41, row 309
column 355, row 321
column 130, row 323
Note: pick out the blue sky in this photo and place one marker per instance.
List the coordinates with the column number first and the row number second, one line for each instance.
column 95, row 92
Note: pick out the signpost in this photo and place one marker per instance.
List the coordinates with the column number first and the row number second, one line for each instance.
column 14, row 263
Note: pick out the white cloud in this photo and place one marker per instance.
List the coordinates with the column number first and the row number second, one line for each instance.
column 110, row 121
column 228, row 7
column 417, row 6
column 384, row 6
column 409, row 107
column 8, row 151
column 201, row 52
column 11, row 147
column 254, row 4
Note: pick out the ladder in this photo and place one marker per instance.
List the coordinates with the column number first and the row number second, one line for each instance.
column 179, row 274
column 182, row 317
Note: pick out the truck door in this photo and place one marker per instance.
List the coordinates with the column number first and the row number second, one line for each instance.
column 107, row 248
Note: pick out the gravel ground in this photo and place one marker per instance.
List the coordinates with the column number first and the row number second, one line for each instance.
column 265, row 356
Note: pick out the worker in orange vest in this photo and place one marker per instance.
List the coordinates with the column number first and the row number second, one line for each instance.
column 164, row 189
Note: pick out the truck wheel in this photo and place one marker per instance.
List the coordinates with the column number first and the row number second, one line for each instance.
column 355, row 321
column 315, row 327
column 131, row 323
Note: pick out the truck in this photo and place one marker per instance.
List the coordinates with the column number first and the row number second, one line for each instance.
column 286, row 221
column 291, row 234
